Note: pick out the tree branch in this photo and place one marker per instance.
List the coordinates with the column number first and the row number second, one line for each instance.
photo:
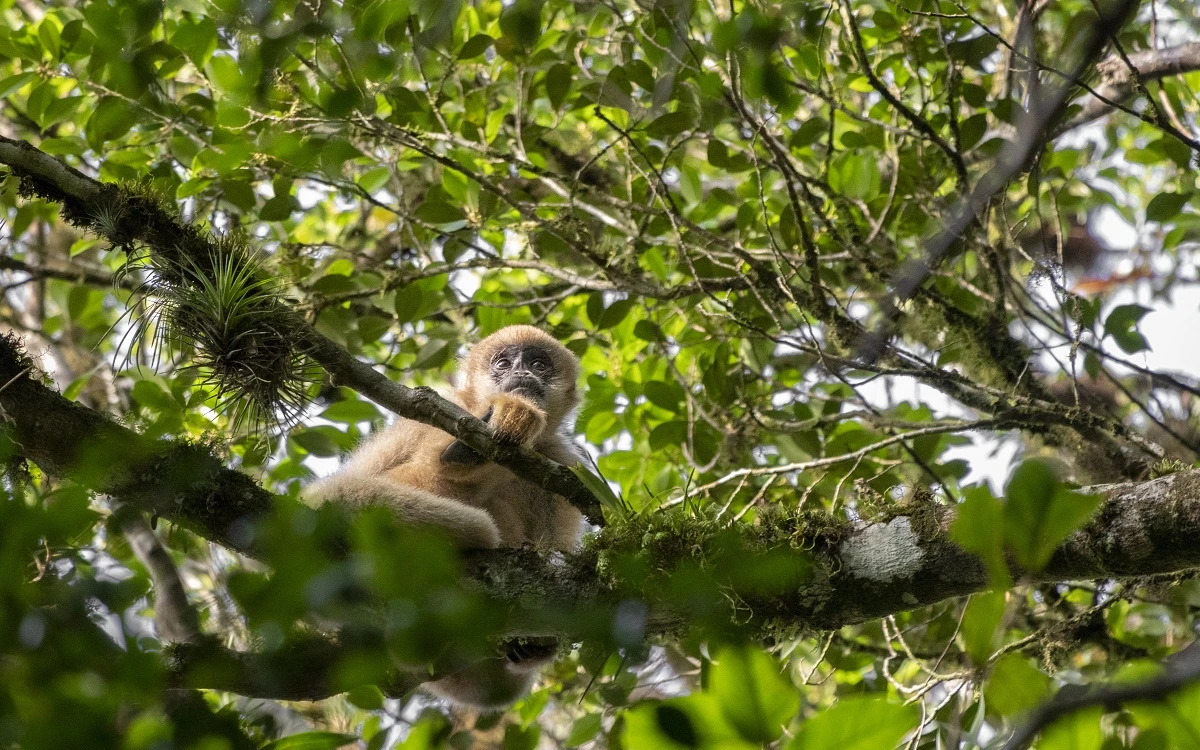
column 1119, row 80
column 177, row 619
column 1032, row 130
column 850, row 573
column 74, row 274
column 84, row 198
column 1179, row 671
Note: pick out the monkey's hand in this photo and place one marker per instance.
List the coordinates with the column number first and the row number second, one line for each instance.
column 514, row 419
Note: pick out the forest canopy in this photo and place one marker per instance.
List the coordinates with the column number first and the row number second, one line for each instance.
column 882, row 451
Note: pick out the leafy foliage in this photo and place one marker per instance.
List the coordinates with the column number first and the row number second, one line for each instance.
column 708, row 203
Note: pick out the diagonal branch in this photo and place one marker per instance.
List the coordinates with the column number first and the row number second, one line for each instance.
column 1119, row 80
column 1017, row 156
column 84, row 198
column 177, row 619
column 1181, row 670
column 854, row 573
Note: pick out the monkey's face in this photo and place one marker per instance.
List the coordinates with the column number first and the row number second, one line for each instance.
column 526, row 370
column 525, row 361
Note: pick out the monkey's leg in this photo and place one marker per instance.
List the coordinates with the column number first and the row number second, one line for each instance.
column 470, row 528
column 460, row 453
column 513, row 419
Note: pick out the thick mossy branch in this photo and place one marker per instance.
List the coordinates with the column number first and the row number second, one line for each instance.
column 787, row 571
column 301, row 669
column 276, row 342
column 181, row 481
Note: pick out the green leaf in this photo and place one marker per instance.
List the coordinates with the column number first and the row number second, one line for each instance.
column 857, row 723
column 1173, row 721
column 808, row 133
column 521, row 22
column 150, row 393
column 196, row 38
column 669, row 124
column 856, row 175
column 408, row 303
column 1081, row 730
column 1015, row 685
column 597, row 486
column 311, row 741
column 76, row 385
column 614, row 313
column 437, row 212
column 517, row 737
column 1121, row 324
column 475, row 46
column 366, row 697
column 689, row 722
column 278, row 208
column 12, row 83
column 558, row 83
column 979, row 527
column 223, row 71
column 648, row 330
column 1166, row 206
column 374, row 179
column 110, row 119
column 756, row 699
column 316, row 441
column 1039, row 513
column 584, row 729
column 673, row 433
column 664, row 395
column 352, row 411
column 980, row 622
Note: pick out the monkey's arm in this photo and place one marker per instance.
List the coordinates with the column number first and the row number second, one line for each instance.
column 361, row 483
column 468, row 527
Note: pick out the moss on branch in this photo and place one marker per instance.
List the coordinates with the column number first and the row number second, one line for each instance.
column 186, row 258
column 786, row 571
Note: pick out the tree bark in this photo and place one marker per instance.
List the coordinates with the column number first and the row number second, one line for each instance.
column 851, row 573
column 82, row 199
column 1119, row 82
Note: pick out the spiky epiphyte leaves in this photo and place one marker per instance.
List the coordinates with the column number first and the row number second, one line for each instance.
column 223, row 309
column 213, row 298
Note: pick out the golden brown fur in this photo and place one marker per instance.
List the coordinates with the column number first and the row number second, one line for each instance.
column 426, row 478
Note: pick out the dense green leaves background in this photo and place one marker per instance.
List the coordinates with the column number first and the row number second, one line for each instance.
column 705, row 202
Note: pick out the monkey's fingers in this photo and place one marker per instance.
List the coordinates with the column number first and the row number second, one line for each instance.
column 516, row 419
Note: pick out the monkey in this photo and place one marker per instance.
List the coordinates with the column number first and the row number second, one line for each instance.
column 522, row 382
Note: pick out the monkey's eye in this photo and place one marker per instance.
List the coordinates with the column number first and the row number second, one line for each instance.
column 539, row 365
column 502, row 364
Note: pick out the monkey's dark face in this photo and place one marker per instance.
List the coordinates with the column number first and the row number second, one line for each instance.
column 523, row 360
column 527, row 370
